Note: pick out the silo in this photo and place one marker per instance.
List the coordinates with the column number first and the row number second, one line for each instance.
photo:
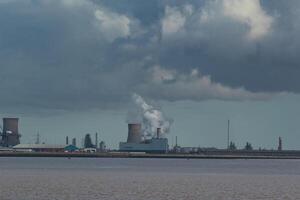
column 10, row 136
column 134, row 133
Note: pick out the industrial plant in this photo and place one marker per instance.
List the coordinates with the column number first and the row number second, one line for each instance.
column 137, row 143
column 141, row 142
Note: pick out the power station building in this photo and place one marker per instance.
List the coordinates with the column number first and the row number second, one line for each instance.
column 10, row 135
column 136, row 144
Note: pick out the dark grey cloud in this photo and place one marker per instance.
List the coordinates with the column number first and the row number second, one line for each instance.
column 74, row 54
column 218, row 47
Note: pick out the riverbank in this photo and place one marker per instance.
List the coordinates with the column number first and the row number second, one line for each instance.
column 228, row 155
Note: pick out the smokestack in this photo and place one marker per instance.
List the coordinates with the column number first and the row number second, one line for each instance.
column 228, row 125
column 10, row 136
column 158, row 132
column 67, row 140
column 279, row 144
column 96, row 140
column 134, row 133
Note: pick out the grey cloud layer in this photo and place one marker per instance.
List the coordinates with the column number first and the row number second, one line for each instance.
column 74, row 54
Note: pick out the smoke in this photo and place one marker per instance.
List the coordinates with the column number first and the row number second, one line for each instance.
column 150, row 117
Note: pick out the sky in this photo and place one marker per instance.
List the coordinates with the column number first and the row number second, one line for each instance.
column 71, row 67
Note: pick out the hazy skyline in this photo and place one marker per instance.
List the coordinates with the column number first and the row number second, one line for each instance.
column 70, row 67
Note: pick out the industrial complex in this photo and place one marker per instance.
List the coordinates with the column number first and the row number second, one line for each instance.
column 136, row 143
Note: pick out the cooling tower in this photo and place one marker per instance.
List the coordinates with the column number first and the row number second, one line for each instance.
column 10, row 135
column 134, row 133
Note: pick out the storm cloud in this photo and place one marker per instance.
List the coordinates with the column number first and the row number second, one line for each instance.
column 74, row 54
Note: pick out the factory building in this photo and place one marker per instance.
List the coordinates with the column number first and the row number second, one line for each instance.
column 10, row 132
column 136, row 144
column 45, row 148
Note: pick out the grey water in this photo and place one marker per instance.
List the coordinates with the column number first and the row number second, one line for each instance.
column 147, row 179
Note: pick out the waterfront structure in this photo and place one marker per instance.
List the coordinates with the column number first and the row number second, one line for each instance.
column 44, row 148
column 135, row 144
column 90, row 150
column 10, row 133
column 187, row 150
column 71, row 148
column 153, row 145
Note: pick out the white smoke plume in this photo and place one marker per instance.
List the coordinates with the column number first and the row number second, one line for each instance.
column 151, row 117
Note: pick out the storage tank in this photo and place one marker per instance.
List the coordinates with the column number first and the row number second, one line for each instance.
column 134, row 133
column 10, row 135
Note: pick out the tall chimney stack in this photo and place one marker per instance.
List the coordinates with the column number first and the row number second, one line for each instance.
column 279, row 144
column 96, row 140
column 158, row 133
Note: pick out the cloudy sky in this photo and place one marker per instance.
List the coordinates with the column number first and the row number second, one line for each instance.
column 69, row 67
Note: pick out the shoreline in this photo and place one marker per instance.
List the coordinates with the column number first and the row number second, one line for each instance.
column 141, row 155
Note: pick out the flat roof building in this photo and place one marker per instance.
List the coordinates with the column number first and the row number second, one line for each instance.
column 45, row 147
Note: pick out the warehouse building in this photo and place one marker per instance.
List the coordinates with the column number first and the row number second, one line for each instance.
column 45, row 148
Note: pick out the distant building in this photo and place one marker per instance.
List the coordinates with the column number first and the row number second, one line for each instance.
column 153, row 145
column 45, row 148
column 90, row 150
column 88, row 141
column 188, row 150
column 135, row 144
column 5, row 149
column 10, row 133
column 71, row 148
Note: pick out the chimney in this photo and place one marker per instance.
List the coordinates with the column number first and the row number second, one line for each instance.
column 134, row 133
column 158, row 132
column 96, row 140
column 279, row 144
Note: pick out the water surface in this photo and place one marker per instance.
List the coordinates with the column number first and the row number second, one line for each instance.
column 150, row 179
